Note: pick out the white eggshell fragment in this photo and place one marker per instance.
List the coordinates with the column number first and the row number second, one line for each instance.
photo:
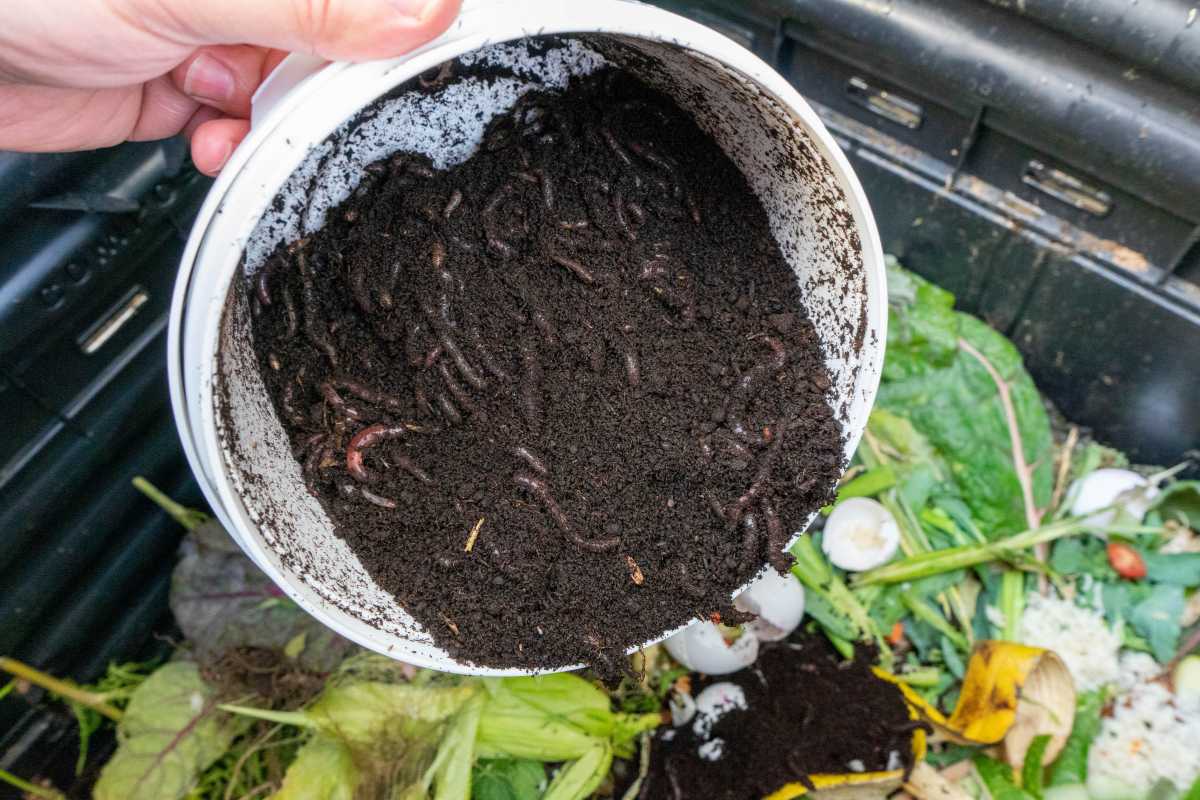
column 683, row 708
column 1131, row 492
column 702, row 648
column 778, row 601
column 860, row 534
column 715, row 702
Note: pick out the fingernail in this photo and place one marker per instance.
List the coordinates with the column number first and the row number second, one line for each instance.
column 209, row 81
column 227, row 151
column 417, row 9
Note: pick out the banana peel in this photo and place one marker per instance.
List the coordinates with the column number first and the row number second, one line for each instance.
column 1011, row 693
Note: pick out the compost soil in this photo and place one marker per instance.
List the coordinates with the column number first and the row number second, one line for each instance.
column 807, row 713
column 559, row 398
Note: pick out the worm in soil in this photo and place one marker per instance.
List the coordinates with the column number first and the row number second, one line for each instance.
column 528, row 177
column 759, row 485
column 635, row 208
column 658, row 160
column 290, row 313
column 444, row 73
column 573, row 226
column 313, row 327
column 442, row 325
column 796, row 766
column 751, row 536
column 731, row 443
column 622, row 220
column 312, row 464
column 369, row 437
column 578, row 270
column 615, row 146
column 448, row 409
column 694, row 209
column 747, row 383
column 633, row 372
column 493, row 203
column 535, row 462
column 543, row 324
column 462, row 244
column 485, row 355
column 422, row 402
column 547, row 189
column 538, row 488
column 413, row 350
column 368, row 395
column 776, row 538
column 263, row 285
column 456, row 390
column 421, row 171
column 352, row 492
column 531, row 388
column 437, row 257
column 456, row 198
column 339, row 405
column 362, row 297
column 500, row 248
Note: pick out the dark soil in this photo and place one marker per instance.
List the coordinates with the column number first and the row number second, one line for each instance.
column 561, row 397
column 808, row 713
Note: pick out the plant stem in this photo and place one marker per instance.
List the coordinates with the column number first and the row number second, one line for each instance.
column 297, row 719
column 30, row 788
column 1012, row 602
column 189, row 518
column 1064, row 466
column 69, row 691
column 922, row 678
column 939, row 561
column 926, row 613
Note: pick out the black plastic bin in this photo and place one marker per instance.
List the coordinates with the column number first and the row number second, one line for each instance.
column 1041, row 160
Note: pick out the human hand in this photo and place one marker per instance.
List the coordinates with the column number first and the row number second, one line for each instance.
column 82, row 74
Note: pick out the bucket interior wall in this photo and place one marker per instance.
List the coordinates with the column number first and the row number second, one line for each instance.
column 807, row 208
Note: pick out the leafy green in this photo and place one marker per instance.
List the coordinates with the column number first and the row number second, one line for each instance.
column 950, row 754
column 508, row 779
column 1033, row 775
column 998, row 778
column 170, row 732
column 1084, row 555
column 322, row 770
column 951, row 399
column 1070, row 768
column 1180, row 501
column 456, row 754
column 1194, row 792
column 1181, row 569
column 1158, row 618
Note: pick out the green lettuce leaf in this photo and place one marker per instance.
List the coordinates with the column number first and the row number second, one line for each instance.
column 1070, row 768
column 322, row 770
column 171, row 731
column 508, row 779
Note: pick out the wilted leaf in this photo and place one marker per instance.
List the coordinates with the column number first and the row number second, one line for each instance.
column 170, row 733
column 221, row 600
column 322, row 770
column 1181, row 501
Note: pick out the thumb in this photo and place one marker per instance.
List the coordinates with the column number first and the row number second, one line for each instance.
column 338, row 30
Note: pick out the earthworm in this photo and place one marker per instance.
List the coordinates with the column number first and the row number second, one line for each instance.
column 437, row 257
column 369, row 437
column 263, row 285
column 352, row 492
column 413, row 350
column 256, row 306
column 547, row 189
column 432, row 356
column 706, row 450
column 462, row 244
column 573, row 226
column 693, row 209
column 633, row 373
column 448, row 409
column 541, row 491
column 535, row 462
column 290, row 312
column 619, row 208
column 337, row 403
column 456, row 198
column 421, row 171
column 743, row 388
column 358, row 289
column 615, row 146
column 496, row 199
column 312, row 464
column 577, row 269
column 660, row 161
column 654, row 268
column 422, row 402
column 761, row 477
column 444, row 331
column 312, row 323
column 732, row 443
column 715, row 505
column 531, row 388
column 528, row 177
column 288, row 401
column 444, row 73
column 635, row 208
column 456, row 390
column 673, row 780
column 408, row 465
column 678, row 299
column 523, row 154
column 797, row 767
column 369, row 395
column 750, row 539
column 776, row 539
column 485, row 355
column 543, row 324
column 500, row 248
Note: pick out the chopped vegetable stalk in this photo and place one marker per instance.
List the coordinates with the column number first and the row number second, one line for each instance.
column 189, row 518
column 456, row 755
column 927, row 614
column 580, row 778
column 1012, row 604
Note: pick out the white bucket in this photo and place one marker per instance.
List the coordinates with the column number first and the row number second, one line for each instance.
column 816, row 206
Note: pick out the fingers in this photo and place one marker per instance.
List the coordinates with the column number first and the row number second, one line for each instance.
column 353, row 30
column 224, row 76
column 165, row 110
column 213, row 142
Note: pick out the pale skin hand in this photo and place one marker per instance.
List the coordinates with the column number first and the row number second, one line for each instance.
column 82, row 74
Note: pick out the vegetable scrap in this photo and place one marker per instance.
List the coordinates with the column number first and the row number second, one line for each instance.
column 1033, row 636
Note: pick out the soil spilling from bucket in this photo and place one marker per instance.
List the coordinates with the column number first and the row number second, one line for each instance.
column 799, row 711
column 562, row 397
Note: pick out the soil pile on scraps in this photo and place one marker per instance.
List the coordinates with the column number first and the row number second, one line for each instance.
column 559, row 398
